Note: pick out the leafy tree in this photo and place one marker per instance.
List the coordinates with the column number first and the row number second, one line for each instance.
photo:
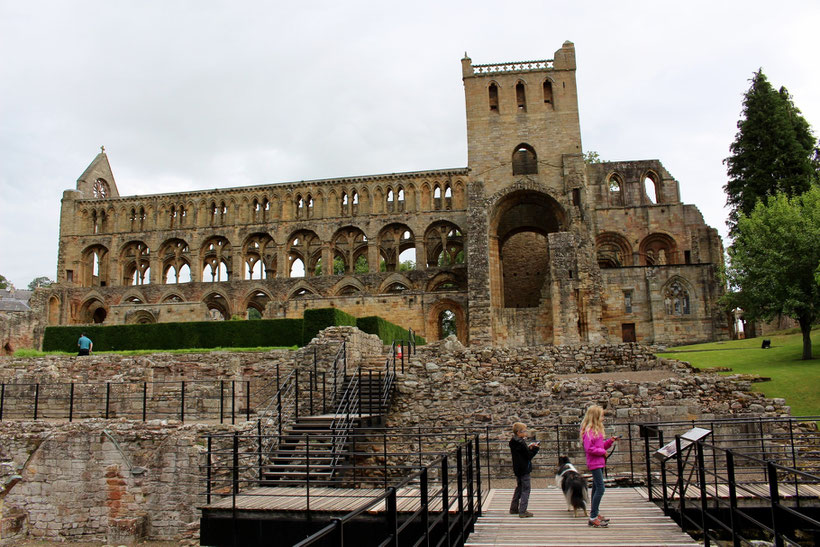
column 774, row 150
column 5, row 283
column 407, row 266
column 774, row 262
column 38, row 282
column 361, row 266
column 591, row 157
column 254, row 314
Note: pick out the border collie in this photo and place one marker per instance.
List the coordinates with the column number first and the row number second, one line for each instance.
column 573, row 484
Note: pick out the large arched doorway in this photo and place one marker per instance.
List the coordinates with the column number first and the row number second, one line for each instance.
column 520, row 282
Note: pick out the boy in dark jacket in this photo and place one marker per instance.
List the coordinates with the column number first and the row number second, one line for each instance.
column 522, row 455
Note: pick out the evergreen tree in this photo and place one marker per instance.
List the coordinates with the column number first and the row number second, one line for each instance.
column 774, row 150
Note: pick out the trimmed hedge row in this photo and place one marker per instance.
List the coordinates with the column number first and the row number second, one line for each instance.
column 322, row 318
column 385, row 330
column 197, row 334
column 215, row 334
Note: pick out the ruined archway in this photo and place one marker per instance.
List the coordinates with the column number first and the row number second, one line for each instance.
column 447, row 317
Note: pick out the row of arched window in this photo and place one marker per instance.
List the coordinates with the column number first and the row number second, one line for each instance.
column 520, row 96
column 348, row 252
column 436, row 196
column 650, row 191
column 613, row 250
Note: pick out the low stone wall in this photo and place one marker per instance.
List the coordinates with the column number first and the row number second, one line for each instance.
column 446, row 383
column 103, row 480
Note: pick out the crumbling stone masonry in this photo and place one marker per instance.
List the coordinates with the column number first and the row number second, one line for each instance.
column 525, row 245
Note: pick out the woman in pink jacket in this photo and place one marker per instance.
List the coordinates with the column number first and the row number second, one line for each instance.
column 592, row 433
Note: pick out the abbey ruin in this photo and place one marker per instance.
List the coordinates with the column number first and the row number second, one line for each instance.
column 527, row 244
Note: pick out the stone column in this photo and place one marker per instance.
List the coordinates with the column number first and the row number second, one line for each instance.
column 421, row 254
column 373, row 256
column 564, row 275
column 327, row 259
column 479, row 311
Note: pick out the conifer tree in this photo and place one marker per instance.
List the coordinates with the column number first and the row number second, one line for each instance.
column 774, row 150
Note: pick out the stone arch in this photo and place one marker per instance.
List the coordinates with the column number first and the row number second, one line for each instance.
column 677, row 296
column 215, row 259
column 174, row 256
column 615, row 189
column 349, row 244
column 304, row 245
column 347, row 286
column 94, row 266
column 392, row 282
column 426, row 197
column 444, row 243
column 459, row 190
column 445, row 281
column 218, row 305
column 652, row 185
column 612, row 250
column 93, row 309
column 658, row 249
column 524, row 160
column 302, row 289
column 434, row 319
column 393, row 240
column 133, row 296
column 257, row 299
column 135, row 263
column 141, row 317
column 520, row 222
column 258, row 256
column 171, row 296
column 54, row 305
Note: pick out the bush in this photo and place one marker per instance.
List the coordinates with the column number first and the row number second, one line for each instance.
column 322, row 318
column 159, row 336
column 387, row 331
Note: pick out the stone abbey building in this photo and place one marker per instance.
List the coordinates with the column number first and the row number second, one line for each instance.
column 527, row 244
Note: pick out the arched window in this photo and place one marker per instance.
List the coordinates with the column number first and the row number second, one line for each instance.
column 493, row 92
column 521, row 96
column 676, row 299
column 101, row 189
column 548, row 93
column 651, row 189
column 524, row 160
column 448, row 197
column 615, row 190
column 437, row 197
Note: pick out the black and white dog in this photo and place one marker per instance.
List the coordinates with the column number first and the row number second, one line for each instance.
column 573, row 484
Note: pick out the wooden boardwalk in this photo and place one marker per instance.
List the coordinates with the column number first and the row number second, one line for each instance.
column 635, row 522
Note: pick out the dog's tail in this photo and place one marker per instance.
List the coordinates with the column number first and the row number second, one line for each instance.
column 578, row 499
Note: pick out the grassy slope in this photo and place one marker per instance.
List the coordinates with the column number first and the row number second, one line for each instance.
column 793, row 379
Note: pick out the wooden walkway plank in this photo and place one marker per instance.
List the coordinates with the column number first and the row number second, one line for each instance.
column 635, row 522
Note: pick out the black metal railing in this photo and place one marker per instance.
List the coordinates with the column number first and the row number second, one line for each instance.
column 184, row 400
column 702, row 485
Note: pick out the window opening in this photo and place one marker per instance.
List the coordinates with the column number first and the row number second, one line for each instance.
column 524, row 160
column 521, row 96
column 628, row 301
column 548, row 92
column 493, row 91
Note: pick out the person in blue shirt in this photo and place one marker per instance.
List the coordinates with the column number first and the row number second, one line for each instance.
column 85, row 344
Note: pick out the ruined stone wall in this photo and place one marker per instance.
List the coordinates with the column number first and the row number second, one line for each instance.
column 497, row 386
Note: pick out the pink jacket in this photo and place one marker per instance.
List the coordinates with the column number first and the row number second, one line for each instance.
column 595, row 447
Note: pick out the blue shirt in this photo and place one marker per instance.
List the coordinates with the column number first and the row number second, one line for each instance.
column 84, row 342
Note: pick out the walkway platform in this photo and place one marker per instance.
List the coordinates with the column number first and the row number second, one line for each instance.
column 635, row 522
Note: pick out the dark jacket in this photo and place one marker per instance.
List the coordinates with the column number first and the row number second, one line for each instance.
column 522, row 456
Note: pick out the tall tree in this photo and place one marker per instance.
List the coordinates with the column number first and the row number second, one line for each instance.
column 774, row 262
column 774, row 150
column 5, row 283
column 38, row 282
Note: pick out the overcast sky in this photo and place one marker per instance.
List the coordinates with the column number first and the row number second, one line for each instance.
column 202, row 94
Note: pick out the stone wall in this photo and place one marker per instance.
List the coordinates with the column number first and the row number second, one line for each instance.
column 497, row 386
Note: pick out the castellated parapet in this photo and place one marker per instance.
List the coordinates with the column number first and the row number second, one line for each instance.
column 528, row 244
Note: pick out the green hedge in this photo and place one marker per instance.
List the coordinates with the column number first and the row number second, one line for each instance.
column 322, row 318
column 198, row 334
column 385, row 330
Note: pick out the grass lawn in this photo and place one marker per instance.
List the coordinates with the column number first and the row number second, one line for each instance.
column 793, row 379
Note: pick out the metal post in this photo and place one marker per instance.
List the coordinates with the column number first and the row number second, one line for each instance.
column 37, row 400
column 259, row 437
column 470, row 499
column 279, row 411
column 681, row 491
column 401, row 345
column 774, row 495
column 182, row 401
column 107, row 398
column 392, row 518
column 730, row 472
column 384, row 453
column 248, row 396
column 631, row 460
column 425, row 506
column 145, row 401
column 460, row 486
column 233, row 401
column 359, row 370
column 208, row 473
column 794, row 464
column 221, row 401
column 445, row 504
column 324, row 393
column 702, row 485
column 489, row 474
column 664, row 484
column 71, row 403
column 307, row 472
column 648, row 463
column 2, row 399
column 478, row 473
column 235, row 474
column 296, row 398
column 762, row 444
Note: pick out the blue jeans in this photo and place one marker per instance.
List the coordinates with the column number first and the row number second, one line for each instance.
column 521, row 496
column 597, row 491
